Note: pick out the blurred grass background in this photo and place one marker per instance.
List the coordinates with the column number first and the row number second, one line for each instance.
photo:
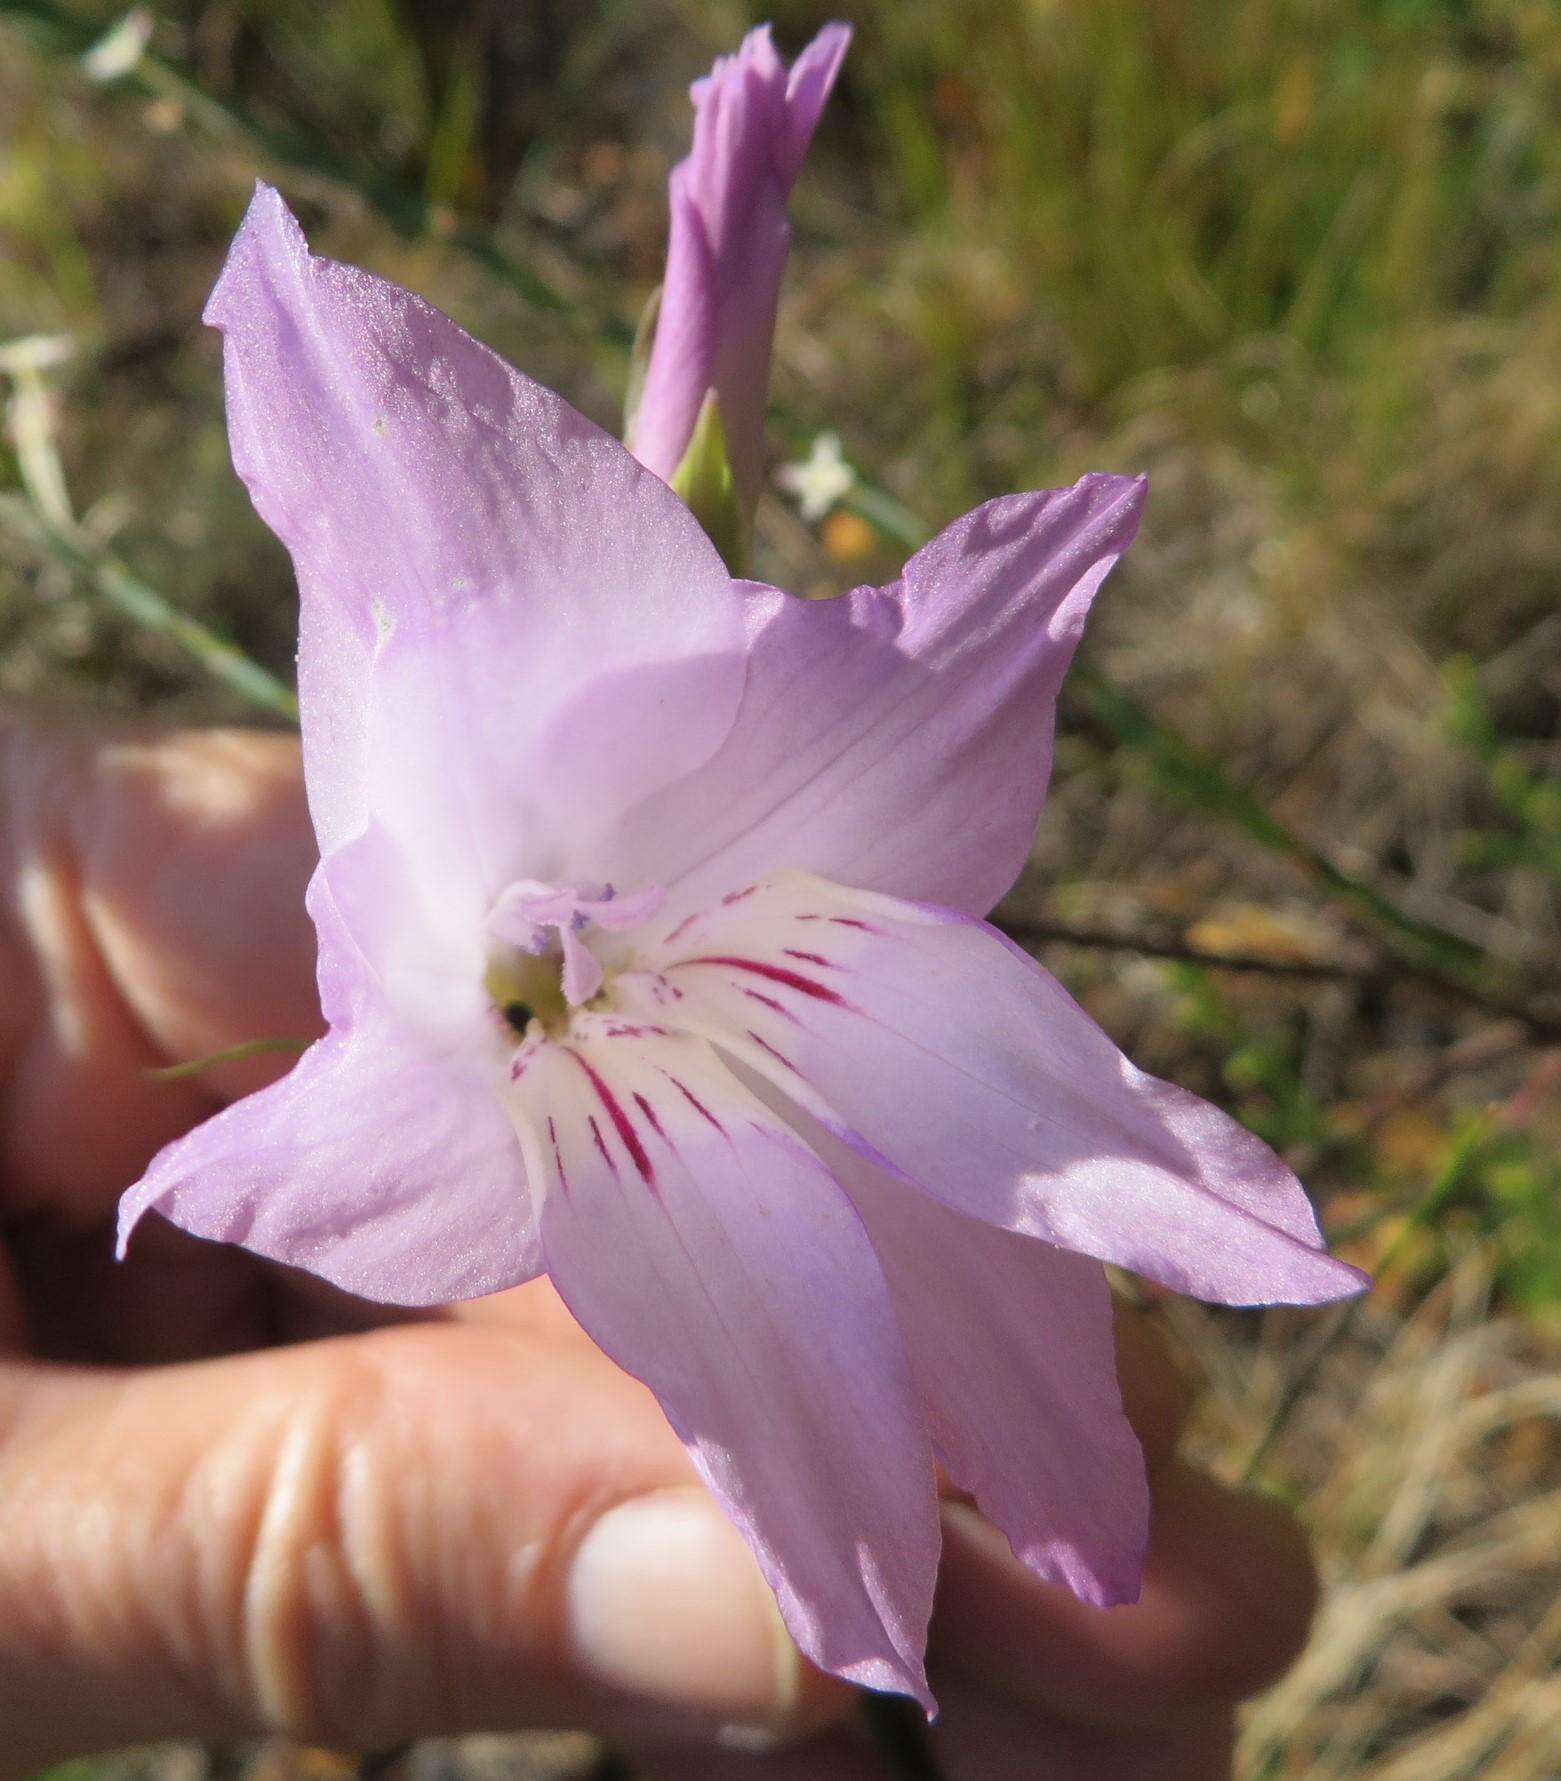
column 1298, row 260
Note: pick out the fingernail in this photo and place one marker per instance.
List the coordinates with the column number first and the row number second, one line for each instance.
column 665, row 1602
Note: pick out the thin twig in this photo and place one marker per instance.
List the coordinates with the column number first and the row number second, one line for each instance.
column 1196, row 778
column 1030, row 932
column 1539, row 1023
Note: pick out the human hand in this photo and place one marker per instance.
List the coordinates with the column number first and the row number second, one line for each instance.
column 234, row 1501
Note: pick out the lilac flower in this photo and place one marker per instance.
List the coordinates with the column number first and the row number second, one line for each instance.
column 727, row 250
column 650, row 947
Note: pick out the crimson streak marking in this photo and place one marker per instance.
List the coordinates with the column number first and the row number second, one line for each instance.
column 683, row 926
column 650, row 1114
column 775, row 973
column 810, row 958
column 758, row 995
column 695, row 1102
column 601, row 1143
column 765, row 1045
column 558, row 1158
column 621, row 1124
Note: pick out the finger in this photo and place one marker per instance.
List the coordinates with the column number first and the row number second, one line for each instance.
column 1229, row 1592
column 194, row 852
column 151, row 910
column 175, row 1299
column 1156, row 1393
column 980, row 1737
column 423, row 1530
column 13, row 1323
column 838, row 1755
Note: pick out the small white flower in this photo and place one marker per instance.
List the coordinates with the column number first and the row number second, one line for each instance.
column 114, row 55
column 821, row 480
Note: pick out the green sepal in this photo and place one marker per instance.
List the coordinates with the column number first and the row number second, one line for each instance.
column 704, row 479
column 639, row 359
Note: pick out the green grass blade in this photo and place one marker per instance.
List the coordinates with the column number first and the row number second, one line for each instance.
column 109, row 578
column 232, row 1054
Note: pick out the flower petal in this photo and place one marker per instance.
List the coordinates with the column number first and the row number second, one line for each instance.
column 681, row 369
column 510, row 630
column 899, row 738
column 368, row 1164
column 1013, row 1349
column 944, row 1053
column 808, row 87
column 707, row 1250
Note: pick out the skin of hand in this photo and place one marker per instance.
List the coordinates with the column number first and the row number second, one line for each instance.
column 234, row 1501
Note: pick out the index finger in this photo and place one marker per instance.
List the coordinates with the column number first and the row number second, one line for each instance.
column 151, row 910
column 1228, row 1596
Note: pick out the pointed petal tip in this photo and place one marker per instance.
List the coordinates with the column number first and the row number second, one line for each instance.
column 907, row 1683
column 1342, row 1280
column 815, row 71
column 1106, row 1571
column 829, row 45
column 1093, row 1591
column 809, row 83
column 1130, row 492
column 1117, row 1582
column 268, row 231
column 1105, row 1574
column 134, row 1204
column 1313, row 1277
column 1115, row 1593
column 1114, row 503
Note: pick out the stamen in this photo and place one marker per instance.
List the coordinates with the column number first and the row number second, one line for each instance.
column 582, row 968
column 545, row 921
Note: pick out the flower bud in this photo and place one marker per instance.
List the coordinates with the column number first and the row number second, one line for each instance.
column 753, row 120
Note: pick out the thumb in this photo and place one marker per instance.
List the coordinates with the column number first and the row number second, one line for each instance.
column 422, row 1531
